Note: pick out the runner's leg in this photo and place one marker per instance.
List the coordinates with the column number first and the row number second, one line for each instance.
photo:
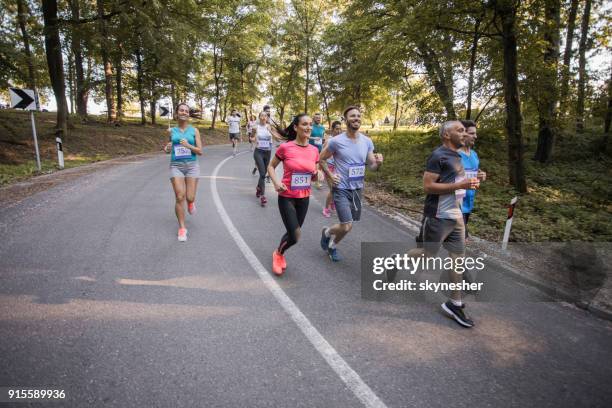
column 293, row 213
column 178, row 184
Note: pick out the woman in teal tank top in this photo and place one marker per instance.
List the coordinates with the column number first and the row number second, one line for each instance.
column 184, row 146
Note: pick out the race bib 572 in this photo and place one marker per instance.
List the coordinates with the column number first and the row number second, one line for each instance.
column 356, row 172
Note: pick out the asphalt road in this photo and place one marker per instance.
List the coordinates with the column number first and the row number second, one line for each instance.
column 98, row 298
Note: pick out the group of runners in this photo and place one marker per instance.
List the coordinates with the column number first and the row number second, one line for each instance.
column 451, row 177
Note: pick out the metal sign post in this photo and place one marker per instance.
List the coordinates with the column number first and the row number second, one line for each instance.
column 26, row 99
column 35, row 141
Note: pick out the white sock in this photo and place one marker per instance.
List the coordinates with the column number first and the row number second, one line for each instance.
column 327, row 234
column 457, row 303
column 332, row 244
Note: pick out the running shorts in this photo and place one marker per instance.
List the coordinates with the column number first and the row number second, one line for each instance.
column 438, row 232
column 189, row 168
column 348, row 204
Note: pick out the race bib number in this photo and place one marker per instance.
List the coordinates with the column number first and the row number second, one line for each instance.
column 300, row 181
column 318, row 141
column 356, row 173
column 263, row 144
column 459, row 194
column 471, row 174
column 181, row 152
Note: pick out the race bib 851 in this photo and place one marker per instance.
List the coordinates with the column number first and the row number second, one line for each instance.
column 300, row 181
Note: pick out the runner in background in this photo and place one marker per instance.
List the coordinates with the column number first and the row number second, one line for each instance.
column 471, row 165
column 336, row 129
column 185, row 143
column 272, row 122
column 233, row 122
column 299, row 160
column 263, row 135
column 351, row 152
column 317, row 137
column 250, row 126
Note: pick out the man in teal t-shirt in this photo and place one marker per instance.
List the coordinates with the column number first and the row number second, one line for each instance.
column 317, row 137
column 471, row 165
column 318, row 132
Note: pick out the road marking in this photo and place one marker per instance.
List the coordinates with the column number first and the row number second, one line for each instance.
column 352, row 380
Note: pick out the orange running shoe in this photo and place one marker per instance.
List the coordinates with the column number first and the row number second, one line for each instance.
column 283, row 260
column 277, row 263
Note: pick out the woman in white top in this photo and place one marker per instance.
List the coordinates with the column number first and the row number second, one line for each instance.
column 262, row 136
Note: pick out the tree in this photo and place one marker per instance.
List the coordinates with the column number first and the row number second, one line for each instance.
column 548, row 95
column 567, row 57
column 584, row 33
column 55, row 63
column 507, row 10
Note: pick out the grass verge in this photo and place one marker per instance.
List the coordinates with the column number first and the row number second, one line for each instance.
column 568, row 199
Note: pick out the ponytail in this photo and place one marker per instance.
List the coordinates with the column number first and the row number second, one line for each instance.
column 289, row 133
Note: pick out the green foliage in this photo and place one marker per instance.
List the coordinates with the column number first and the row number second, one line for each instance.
column 567, row 200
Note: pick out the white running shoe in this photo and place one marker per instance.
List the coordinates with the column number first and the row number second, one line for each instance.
column 182, row 234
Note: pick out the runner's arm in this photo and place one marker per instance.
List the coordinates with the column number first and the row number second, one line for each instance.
column 168, row 145
column 374, row 160
column 198, row 147
column 323, row 156
column 431, row 185
column 272, row 173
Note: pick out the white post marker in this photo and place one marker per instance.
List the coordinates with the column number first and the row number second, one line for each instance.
column 60, row 152
column 509, row 223
column 26, row 99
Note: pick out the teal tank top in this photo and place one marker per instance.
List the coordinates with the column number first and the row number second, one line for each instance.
column 181, row 153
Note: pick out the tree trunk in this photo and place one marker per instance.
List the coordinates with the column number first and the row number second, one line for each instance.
column 108, row 67
column 153, row 100
column 395, row 118
column 82, row 88
column 438, row 79
column 307, row 74
column 119, row 81
column 584, row 33
column 153, row 107
column 71, row 82
column 218, row 71
column 281, row 114
column 473, row 53
column 55, row 63
column 323, row 93
column 140, row 86
column 567, row 58
column 22, row 18
column 547, row 97
column 608, row 118
column 506, row 9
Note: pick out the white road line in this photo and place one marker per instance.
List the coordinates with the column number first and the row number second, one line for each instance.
column 352, row 380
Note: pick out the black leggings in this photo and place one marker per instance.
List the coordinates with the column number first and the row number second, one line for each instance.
column 293, row 212
column 262, row 159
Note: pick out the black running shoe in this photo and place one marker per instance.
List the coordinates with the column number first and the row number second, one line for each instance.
column 456, row 313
